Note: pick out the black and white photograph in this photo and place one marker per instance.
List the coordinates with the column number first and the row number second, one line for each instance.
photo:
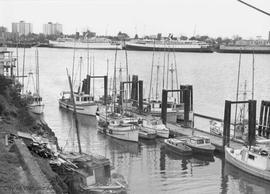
column 134, row 96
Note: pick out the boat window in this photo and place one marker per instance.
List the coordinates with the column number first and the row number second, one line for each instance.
column 199, row 141
column 77, row 99
column 192, row 141
column 207, row 140
column 251, row 157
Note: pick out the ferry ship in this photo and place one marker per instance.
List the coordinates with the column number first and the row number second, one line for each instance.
column 91, row 43
column 168, row 45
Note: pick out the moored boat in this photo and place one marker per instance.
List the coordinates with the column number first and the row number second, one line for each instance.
column 117, row 128
column 168, row 44
column 199, row 144
column 35, row 104
column 254, row 160
column 156, row 125
column 147, row 133
column 85, row 104
column 178, row 146
column 92, row 43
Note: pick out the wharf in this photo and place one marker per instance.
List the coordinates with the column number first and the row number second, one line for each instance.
column 217, row 141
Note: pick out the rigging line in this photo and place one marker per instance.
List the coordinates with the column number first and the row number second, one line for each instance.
column 168, row 64
column 176, row 75
column 237, row 92
column 153, row 55
column 164, row 62
column 249, row 5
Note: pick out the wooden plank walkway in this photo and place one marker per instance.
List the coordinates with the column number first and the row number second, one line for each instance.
column 217, row 141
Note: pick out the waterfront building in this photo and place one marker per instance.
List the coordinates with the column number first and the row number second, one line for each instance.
column 22, row 28
column 52, row 28
column 7, row 62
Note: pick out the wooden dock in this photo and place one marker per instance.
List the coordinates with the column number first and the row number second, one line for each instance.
column 217, row 141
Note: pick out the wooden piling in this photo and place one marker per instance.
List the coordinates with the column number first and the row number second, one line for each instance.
column 140, row 96
column 164, row 106
column 251, row 121
column 186, row 100
column 227, row 121
column 105, row 89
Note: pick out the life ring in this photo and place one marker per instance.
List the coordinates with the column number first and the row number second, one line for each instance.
column 145, row 110
column 264, row 153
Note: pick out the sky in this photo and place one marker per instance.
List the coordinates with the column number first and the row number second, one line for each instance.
column 224, row 18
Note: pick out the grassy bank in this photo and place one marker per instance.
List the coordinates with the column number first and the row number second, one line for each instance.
column 14, row 117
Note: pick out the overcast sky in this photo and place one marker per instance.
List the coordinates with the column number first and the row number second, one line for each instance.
column 215, row 18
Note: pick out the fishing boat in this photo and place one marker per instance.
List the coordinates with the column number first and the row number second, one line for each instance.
column 33, row 98
column 91, row 43
column 168, row 44
column 86, row 173
column 152, row 123
column 254, row 160
column 85, row 104
column 199, row 144
column 117, row 128
column 145, row 133
column 178, row 146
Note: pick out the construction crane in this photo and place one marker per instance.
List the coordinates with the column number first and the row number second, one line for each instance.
column 260, row 10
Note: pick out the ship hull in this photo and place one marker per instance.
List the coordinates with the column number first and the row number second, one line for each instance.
column 36, row 108
column 89, row 110
column 244, row 49
column 94, row 46
column 264, row 174
column 151, row 48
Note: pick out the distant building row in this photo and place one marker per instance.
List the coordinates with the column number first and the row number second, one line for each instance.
column 23, row 28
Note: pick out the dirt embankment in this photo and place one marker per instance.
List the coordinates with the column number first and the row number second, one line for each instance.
column 14, row 117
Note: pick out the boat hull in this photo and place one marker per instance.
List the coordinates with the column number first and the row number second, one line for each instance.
column 89, row 110
column 138, row 47
column 244, row 49
column 124, row 133
column 204, row 150
column 145, row 135
column 264, row 174
column 84, row 45
column 182, row 151
column 37, row 109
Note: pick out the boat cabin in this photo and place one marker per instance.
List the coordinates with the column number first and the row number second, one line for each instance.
column 175, row 142
column 80, row 98
column 92, row 170
column 199, row 140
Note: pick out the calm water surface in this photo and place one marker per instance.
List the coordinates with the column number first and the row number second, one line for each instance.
column 148, row 166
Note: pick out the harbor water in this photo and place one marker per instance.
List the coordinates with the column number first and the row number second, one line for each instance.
column 148, row 166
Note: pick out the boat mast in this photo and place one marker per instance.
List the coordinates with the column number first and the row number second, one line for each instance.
column 168, row 67
column 152, row 67
column 176, row 76
column 93, row 75
column 237, row 92
column 73, row 63
column 127, row 94
column 80, row 75
column 75, row 113
column 23, row 67
column 17, row 62
column 114, row 79
column 164, row 63
column 157, row 82
column 37, row 73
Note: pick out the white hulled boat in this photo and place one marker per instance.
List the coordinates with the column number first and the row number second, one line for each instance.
column 34, row 100
column 92, row 43
column 199, row 144
column 155, row 124
column 117, row 128
column 85, row 104
column 254, row 160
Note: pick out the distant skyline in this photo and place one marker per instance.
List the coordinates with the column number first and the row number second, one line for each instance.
column 214, row 18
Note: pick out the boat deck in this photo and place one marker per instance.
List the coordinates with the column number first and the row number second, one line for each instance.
column 217, row 141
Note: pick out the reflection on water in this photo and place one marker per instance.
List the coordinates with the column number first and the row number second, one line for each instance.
column 246, row 183
column 147, row 166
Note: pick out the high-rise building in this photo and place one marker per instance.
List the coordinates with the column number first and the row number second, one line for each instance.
column 22, row 28
column 52, row 29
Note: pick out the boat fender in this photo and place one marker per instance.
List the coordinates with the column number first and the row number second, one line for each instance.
column 110, row 131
